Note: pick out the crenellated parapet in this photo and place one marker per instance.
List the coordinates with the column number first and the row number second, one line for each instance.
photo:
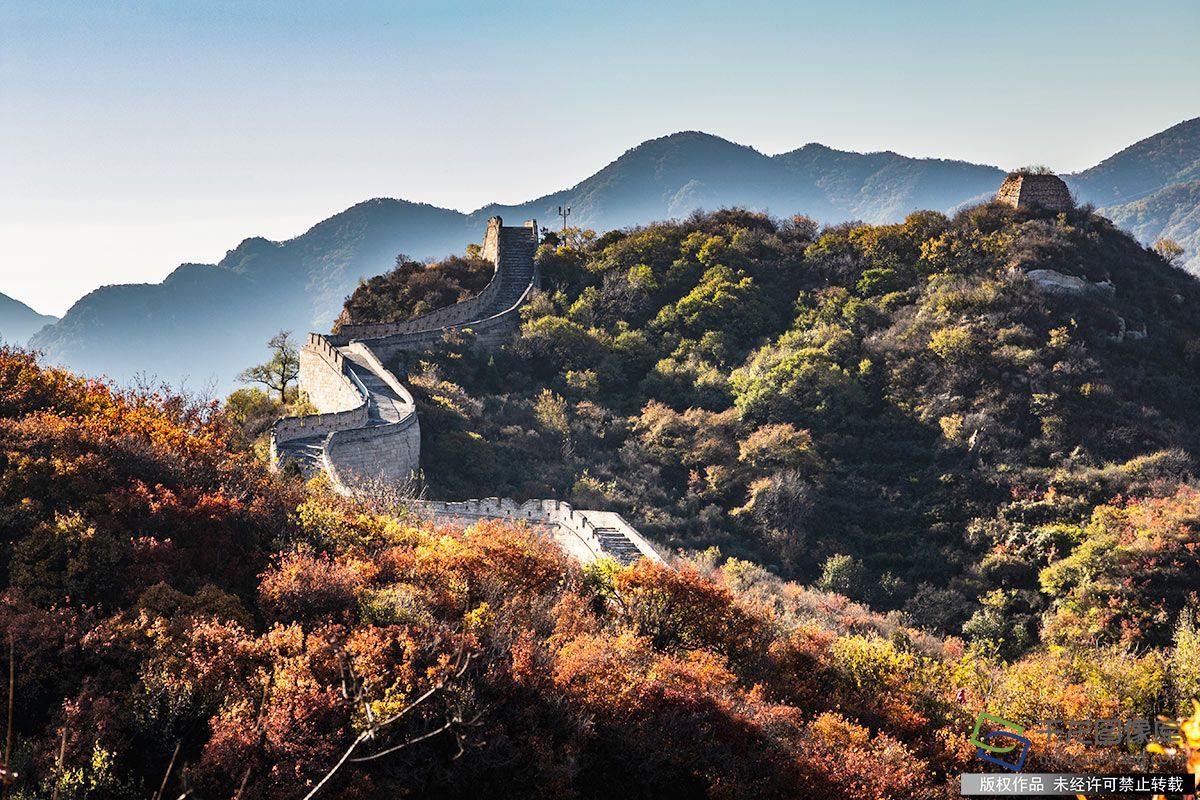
column 508, row 249
column 324, row 377
column 368, row 431
column 587, row 535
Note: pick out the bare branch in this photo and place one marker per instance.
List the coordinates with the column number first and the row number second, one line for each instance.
column 362, row 737
column 410, row 742
column 163, row 787
column 453, row 721
column 8, row 776
column 353, row 688
column 58, row 770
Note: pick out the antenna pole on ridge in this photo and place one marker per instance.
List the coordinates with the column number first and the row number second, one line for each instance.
column 564, row 213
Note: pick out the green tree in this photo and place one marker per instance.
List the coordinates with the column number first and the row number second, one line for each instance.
column 280, row 371
column 842, row 574
column 725, row 300
column 250, row 413
column 799, row 378
column 1185, row 659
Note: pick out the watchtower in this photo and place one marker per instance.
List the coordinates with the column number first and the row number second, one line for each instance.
column 1026, row 189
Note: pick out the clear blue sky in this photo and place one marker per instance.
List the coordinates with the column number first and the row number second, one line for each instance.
column 137, row 135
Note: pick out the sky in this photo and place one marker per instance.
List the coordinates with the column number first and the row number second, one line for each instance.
column 135, row 136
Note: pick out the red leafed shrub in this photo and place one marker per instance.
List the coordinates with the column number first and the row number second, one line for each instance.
column 683, row 609
column 846, row 760
column 303, row 585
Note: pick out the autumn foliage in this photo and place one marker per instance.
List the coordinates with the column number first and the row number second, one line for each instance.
column 162, row 589
column 175, row 610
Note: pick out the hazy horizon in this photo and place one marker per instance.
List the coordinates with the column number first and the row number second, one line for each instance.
column 146, row 136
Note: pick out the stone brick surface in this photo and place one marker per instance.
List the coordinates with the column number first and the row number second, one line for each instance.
column 323, row 377
column 1027, row 190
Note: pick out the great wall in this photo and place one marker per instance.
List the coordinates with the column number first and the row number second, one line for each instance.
column 367, row 432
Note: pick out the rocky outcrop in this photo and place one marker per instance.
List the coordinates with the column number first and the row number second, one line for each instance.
column 1054, row 282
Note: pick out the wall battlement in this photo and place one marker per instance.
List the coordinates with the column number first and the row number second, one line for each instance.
column 368, row 429
column 498, row 242
column 582, row 533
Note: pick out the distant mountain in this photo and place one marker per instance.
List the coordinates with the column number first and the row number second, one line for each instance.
column 672, row 176
column 677, row 174
column 18, row 321
column 885, row 187
column 206, row 322
column 1152, row 188
column 1169, row 213
column 1166, row 158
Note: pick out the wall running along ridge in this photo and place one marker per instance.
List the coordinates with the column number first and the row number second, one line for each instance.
column 469, row 310
column 323, row 374
column 367, row 433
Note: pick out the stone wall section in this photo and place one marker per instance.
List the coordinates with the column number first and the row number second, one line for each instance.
column 491, row 240
column 461, row 313
column 291, row 428
column 369, row 356
column 342, row 399
column 489, row 332
column 579, row 532
column 389, row 454
column 324, row 378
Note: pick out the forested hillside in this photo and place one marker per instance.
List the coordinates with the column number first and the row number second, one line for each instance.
column 935, row 416
column 163, row 594
column 180, row 621
column 204, row 322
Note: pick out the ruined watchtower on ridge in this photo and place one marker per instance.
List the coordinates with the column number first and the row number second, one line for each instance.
column 1028, row 189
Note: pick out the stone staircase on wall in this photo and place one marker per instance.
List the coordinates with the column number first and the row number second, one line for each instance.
column 586, row 535
column 368, row 431
column 516, row 267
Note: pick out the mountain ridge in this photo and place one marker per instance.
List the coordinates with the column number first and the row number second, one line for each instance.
column 1144, row 167
column 215, row 317
column 18, row 322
